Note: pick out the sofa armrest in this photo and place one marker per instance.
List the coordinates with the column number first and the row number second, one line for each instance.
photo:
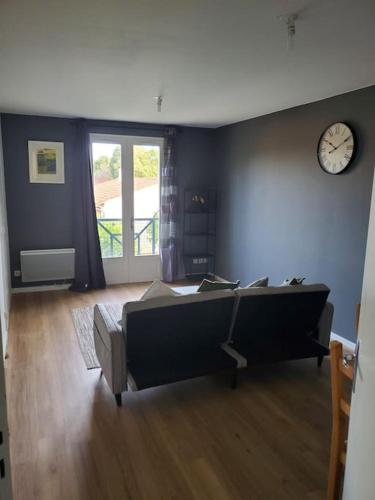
column 325, row 325
column 110, row 347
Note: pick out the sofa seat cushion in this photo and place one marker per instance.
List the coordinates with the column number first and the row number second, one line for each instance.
column 279, row 350
column 159, row 371
column 186, row 290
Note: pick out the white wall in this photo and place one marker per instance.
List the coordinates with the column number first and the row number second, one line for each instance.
column 4, row 256
column 359, row 470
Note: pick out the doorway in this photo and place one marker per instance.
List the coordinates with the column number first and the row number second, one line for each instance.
column 126, row 179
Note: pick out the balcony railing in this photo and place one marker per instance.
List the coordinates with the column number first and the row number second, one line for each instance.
column 146, row 236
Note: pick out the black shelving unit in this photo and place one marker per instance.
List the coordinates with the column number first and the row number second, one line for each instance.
column 199, row 232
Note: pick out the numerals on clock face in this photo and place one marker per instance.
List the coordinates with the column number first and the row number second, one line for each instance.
column 336, row 148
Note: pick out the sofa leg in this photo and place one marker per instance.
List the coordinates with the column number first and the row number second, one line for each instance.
column 320, row 360
column 234, row 379
column 118, row 399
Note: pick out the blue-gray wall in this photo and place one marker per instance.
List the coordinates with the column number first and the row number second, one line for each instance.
column 40, row 216
column 280, row 215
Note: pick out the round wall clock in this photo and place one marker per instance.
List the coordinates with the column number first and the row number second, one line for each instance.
column 336, row 148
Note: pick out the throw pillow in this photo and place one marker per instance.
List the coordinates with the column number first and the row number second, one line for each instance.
column 158, row 289
column 293, row 281
column 209, row 286
column 259, row 282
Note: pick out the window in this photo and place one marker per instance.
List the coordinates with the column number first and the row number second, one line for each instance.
column 146, row 179
column 107, row 175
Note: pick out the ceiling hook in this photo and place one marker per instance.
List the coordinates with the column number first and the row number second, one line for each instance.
column 159, row 102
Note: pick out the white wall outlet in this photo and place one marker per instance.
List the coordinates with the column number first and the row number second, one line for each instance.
column 17, row 273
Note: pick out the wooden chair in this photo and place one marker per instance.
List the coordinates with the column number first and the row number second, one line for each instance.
column 341, row 368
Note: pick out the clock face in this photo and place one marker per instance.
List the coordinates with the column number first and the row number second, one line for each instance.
column 336, row 148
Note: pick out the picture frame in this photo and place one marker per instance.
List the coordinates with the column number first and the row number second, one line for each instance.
column 46, row 162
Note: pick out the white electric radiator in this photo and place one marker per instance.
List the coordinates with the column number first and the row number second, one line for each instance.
column 47, row 265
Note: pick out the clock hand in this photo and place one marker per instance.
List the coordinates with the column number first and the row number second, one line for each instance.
column 337, row 147
column 330, row 143
column 343, row 142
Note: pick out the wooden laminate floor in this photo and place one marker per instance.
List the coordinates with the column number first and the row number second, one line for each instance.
column 267, row 440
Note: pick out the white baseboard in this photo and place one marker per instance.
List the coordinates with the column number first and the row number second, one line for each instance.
column 345, row 342
column 41, row 288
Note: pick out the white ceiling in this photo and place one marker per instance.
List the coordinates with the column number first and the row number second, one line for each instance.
column 214, row 61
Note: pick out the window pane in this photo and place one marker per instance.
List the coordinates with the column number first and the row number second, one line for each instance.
column 146, row 161
column 108, row 197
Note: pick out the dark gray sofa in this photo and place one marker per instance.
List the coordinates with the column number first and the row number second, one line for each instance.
column 169, row 339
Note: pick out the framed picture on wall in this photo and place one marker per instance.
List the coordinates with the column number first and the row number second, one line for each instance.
column 46, row 162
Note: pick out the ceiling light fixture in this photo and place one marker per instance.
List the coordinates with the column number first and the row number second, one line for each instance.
column 159, row 102
column 290, row 22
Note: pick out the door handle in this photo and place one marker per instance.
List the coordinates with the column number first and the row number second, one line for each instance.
column 349, row 359
column 132, row 223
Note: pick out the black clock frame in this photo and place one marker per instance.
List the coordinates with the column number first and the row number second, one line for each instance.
column 354, row 148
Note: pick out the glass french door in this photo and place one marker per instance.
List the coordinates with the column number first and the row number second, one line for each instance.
column 126, row 178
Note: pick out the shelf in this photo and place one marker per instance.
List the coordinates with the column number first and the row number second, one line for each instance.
column 198, row 234
column 198, row 255
column 204, row 212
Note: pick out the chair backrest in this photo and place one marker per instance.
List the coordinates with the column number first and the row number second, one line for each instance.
column 172, row 326
column 270, row 313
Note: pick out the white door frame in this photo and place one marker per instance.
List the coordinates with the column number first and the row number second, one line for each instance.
column 5, row 482
column 130, row 268
column 359, row 481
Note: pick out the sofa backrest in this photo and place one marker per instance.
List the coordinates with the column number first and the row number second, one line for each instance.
column 272, row 313
column 172, row 325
